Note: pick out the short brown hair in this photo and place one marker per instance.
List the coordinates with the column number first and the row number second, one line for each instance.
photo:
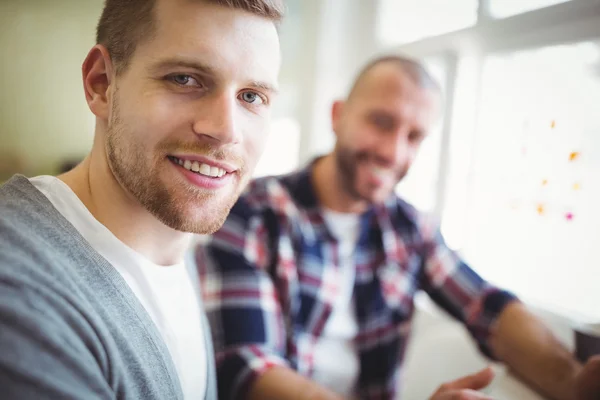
column 125, row 23
column 415, row 71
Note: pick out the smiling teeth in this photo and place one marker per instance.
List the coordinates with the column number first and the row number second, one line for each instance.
column 381, row 172
column 201, row 168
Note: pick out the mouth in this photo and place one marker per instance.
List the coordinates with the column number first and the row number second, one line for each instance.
column 200, row 168
column 380, row 175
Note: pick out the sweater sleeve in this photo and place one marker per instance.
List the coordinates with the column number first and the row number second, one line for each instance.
column 43, row 353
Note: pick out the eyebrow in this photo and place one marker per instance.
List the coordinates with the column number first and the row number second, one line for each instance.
column 264, row 86
column 206, row 70
column 177, row 62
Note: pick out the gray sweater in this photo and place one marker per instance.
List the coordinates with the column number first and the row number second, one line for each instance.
column 70, row 327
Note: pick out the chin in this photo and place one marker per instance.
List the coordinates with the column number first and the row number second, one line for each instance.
column 198, row 214
column 367, row 197
column 209, row 218
column 374, row 196
column 205, row 222
column 376, row 199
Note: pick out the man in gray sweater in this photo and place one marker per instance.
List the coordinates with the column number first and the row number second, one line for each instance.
column 96, row 301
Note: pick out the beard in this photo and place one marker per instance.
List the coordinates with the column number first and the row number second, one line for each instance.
column 348, row 162
column 184, row 208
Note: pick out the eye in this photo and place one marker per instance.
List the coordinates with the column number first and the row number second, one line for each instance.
column 416, row 137
column 382, row 122
column 252, row 98
column 183, row 80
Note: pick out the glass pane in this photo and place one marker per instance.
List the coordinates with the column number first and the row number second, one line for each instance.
column 465, row 102
column 534, row 207
column 506, row 8
column 419, row 187
column 405, row 21
column 282, row 149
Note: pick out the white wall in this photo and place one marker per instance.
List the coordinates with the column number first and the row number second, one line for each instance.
column 43, row 114
column 324, row 42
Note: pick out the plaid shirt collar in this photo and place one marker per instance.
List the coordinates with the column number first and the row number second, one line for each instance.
column 379, row 226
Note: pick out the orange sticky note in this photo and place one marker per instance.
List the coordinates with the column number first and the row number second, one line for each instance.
column 574, row 155
column 541, row 209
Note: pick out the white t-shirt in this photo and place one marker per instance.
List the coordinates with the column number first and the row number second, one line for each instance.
column 336, row 363
column 166, row 292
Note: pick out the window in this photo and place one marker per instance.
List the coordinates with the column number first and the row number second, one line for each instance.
column 281, row 154
column 401, row 21
column 534, row 203
column 507, row 8
column 517, row 185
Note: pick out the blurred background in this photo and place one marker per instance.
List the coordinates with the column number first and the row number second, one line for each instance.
column 513, row 172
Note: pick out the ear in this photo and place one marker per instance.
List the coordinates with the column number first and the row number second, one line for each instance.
column 97, row 71
column 337, row 109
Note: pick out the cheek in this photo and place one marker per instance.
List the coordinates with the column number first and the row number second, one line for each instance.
column 153, row 119
column 364, row 137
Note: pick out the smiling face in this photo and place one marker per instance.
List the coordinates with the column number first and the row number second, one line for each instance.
column 189, row 116
column 380, row 130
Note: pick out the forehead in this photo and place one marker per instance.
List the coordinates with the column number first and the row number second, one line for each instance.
column 231, row 41
column 387, row 88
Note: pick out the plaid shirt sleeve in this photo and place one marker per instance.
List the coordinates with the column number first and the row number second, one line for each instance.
column 454, row 286
column 241, row 301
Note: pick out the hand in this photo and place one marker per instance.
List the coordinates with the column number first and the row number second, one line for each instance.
column 466, row 388
column 587, row 382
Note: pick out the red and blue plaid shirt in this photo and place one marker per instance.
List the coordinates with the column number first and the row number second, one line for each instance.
column 270, row 278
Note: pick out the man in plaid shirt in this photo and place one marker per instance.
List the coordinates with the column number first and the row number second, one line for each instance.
column 309, row 285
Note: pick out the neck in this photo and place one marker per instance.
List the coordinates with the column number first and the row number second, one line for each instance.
column 330, row 190
column 95, row 185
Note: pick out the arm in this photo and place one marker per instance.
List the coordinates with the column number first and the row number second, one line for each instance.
column 503, row 327
column 42, row 356
column 285, row 384
column 534, row 354
column 245, row 313
column 459, row 290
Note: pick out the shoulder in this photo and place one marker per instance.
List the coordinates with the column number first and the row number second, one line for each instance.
column 40, row 306
column 407, row 217
column 257, row 217
column 35, row 249
column 27, row 212
column 34, row 271
column 265, row 195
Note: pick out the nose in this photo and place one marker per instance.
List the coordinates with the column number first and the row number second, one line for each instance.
column 217, row 118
